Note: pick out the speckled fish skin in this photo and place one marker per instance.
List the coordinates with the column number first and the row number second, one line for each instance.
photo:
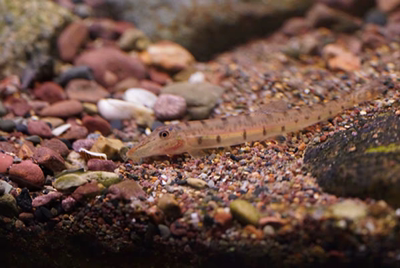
column 275, row 119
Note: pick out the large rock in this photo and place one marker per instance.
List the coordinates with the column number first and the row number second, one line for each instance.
column 204, row 27
column 27, row 32
column 366, row 165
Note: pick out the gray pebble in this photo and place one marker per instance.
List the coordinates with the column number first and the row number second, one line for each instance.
column 3, row 110
column 164, row 231
column 7, row 125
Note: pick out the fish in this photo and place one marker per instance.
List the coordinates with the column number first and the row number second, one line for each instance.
column 275, row 119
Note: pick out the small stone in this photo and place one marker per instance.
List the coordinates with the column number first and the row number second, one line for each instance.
column 93, row 123
column 83, row 143
column 254, row 231
column 90, row 108
column 71, row 40
column 140, row 96
column 88, row 190
column 112, row 109
column 50, row 159
column 8, row 206
column 179, row 228
column 127, row 190
column 169, row 107
column 18, row 106
column 40, row 129
column 111, row 65
column 268, row 230
column 24, row 200
column 57, row 146
column 60, row 130
column 45, row 199
column 76, row 72
column 105, row 178
column 133, row 39
column 75, row 132
column 130, row 82
column 3, row 109
column 5, row 186
column 21, row 128
column 26, row 151
column 169, row 206
column 164, row 231
column 375, row 16
column 68, row 203
column 7, row 147
column 244, row 212
column 27, row 174
column 200, row 98
column 5, row 162
column 26, row 216
column 159, row 77
column 197, row 183
column 69, row 181
column 167, row 55
column 101, row 165
column 7, row 125
column 223, row 219
column 86, row 91
column 65, row 108
column 273, row 221
column 49, row 92
column 110, row 147
column 349, row 209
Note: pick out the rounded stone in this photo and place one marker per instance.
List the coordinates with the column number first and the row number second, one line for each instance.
column 169, row 107
column 7, row 125
column 93, row 123
column 85, row 91
column 27, row 174
column 57, row 146
column 40, row 129
column 65, row 108
column 244, row 212
column 5, row 162
column 50, row 92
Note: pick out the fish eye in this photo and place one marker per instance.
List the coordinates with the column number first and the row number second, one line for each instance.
column 164, row 134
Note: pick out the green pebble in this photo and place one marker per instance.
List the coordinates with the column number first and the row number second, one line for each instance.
column 69, row 181
column 103, row 177
column 8, row 205
column 244, row 212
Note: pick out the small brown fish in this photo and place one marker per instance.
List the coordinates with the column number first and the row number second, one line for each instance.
column 274, row 120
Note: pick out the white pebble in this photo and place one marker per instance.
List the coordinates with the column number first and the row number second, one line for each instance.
column 112, row 109
column 197, row 77
column 141, row 97
column 61, row 129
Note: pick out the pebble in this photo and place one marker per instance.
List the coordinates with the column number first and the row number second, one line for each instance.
column 170, row 107
column 39, row 128
column 7, row 125
column 127, row 190
column 111, row 65
column 141, row 97
column 71, row 40
column 85, row 91
column 244, row 212
column 349, row 209
column 82, row 143
column 90, row 108
column 151, row 86
column 27, row 174
column 223, row 219
column 22, row 128
column 60, row 130
column 57, row 146
column 75, row 132
column 3, row 109
column 130, row 82
column 133, row 39
column 101, row 165
column 5, row 187
column 268, row 230
column 5, row 162
column 54, row 121
column 164, row 231
column 43, row 200
column 197, row 183
column 65, row 108
column 167, row 55
column 68, row 203
column 76, row 72
column 20, row 107
column 168, row 204
column 96, row 123
column 107, row 146
column 201, row 98
column 8, row 206
column 50, row 159
column 49, row 92
column 26, row 150
column 112, row 109
column 88, row 190
column 34, row 139
column 338, row 58
column 103, row 177
column 69, row 181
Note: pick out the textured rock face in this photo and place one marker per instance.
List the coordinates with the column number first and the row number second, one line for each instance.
column 204, row 26
column 27, row 31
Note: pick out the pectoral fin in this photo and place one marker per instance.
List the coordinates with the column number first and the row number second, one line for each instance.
column 197, row 153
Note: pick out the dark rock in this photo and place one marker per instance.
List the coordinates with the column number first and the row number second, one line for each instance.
column 375, row 16
column 7, row 125
column 116, row 124
column 24, row 200
column 22, row 128
column 366, row 165
column 57, row 146
column 204, row 28
column 354, row 7
column 3, row 109
column 43, row 214
column 78, row 72
column 34, row 139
